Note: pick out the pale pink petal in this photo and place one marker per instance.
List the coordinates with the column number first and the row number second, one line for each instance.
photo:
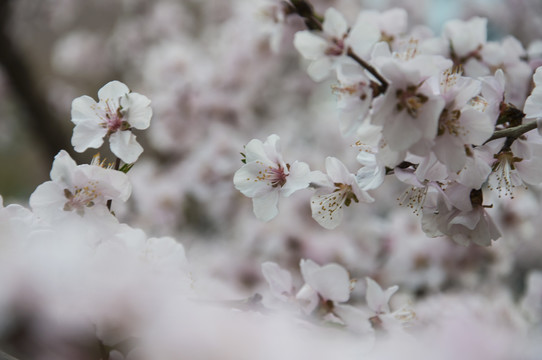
column 88, row 135
column 307, row 268
column 327, row 210
column 249, row 182
column 84, row 109
column 308, row 298
column 334, row 24
column 279, row 280
column 298, row 178
column 63, row 168
column 113, row 90
column 310, row 45
column 124, row 145
column 47, row 197
column 337, row 171
column 319, row 69
column 363, row 37
column 479, row 126
column 332, row 282
column 377, row 299
column 138, row 110
column 265, row 206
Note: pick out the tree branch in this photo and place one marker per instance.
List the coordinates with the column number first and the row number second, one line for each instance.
column 512, row 133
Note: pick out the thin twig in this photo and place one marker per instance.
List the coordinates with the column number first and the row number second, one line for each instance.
column 383, row 82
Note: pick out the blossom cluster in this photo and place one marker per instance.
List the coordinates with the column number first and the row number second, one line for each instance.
column 450, row 116
column 164, row 258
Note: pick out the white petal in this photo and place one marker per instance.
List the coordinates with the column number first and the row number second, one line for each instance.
column 84, row 109
column 48, row 197
column 479, row 126
column 298, row 178
column 265, row 206
column 63, row 168
column 467, row 219
column 88, row 135
column 308, row 267
column 247, row 180
column 319, row 69
column 401, row 133
column 279, row 280
column 362, row 37
column 113, row 90
column 337, row 171
column 450, row 153
column 308, row 298
column 137, row 110
column 124, row 145
column 377, row 299
column 267, row 152
column 334, row 24
column 310, row 45
column 327, row 209
column 332, row 282
column 533, row 104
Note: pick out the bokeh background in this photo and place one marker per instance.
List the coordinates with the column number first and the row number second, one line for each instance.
column 220, row 73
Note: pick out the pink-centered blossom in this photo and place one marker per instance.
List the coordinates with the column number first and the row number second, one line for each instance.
column 78, row 188
column 116, row 113
column 327, row 50
column 336, row 190
column 265, row 176
column 409, row 111
column 463, row 121
column 459, row 215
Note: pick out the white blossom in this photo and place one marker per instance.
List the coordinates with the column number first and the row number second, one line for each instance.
column 114, row 115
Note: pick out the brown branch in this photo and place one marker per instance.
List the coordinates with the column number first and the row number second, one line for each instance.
column 513, row 133
column 383, row 82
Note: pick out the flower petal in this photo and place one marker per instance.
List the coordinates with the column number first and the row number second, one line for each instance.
column 84, row 109
column 248, row 180
column 138, row 110
column 88, row 135
column 265, row 206
column 310, row 45
column 63, row 167
column 113, row 90
column 334, row 24
column 124, row 145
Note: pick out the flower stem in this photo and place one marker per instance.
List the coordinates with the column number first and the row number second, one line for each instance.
column 115, row 167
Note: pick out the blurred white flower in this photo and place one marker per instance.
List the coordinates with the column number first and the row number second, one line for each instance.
column 78, row 188
column 330, row 282
column 328, row 49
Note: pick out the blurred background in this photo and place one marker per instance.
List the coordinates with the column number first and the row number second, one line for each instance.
column 220, row 73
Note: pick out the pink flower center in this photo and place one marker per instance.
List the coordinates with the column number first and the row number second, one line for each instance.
column 276, row 176
column 336, row 48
